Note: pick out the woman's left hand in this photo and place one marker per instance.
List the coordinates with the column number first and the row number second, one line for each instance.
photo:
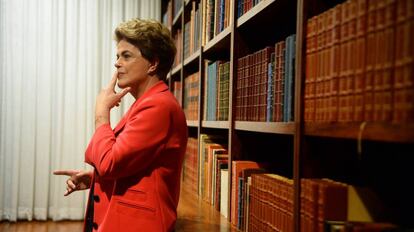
column 78, row 180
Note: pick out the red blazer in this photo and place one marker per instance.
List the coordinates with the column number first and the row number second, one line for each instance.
column 138, row 165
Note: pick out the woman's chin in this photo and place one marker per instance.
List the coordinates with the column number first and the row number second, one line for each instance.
column 121, row 85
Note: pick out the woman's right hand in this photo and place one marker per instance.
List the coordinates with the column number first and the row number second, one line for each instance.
column 78, row 180
column 106, row 100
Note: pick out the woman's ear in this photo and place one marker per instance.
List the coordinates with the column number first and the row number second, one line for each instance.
column 152, row 70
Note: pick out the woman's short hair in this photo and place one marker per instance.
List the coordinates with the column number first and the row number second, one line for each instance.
column 152, row 38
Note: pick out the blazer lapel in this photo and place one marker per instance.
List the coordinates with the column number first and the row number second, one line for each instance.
column 120, row 125
column 159, row 87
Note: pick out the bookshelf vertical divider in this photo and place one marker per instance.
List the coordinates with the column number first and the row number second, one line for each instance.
column 182, row 79
column 200, row 86
column 233, row 145
column 298, row 114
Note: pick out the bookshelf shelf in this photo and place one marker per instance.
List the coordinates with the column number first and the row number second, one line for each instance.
column 193, row 58
column 219, row 43
column 187, row 2
column 192, row 123
column 278, row 20
column 266, row 127
column 254, row 11
column 365, row 131
column 177, row 19
column 215, row 124
column 175, row 70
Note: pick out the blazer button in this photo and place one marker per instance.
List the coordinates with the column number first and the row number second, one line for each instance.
column 96, row 198
column 95, row 226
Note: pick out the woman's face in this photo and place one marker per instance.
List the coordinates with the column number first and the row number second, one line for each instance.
column 131, row 65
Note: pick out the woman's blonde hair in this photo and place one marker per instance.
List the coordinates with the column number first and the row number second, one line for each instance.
column 152, row 38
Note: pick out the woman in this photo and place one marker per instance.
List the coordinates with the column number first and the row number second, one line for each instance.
column 135, row 184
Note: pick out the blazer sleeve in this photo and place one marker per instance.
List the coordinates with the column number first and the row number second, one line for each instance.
column 135, row 148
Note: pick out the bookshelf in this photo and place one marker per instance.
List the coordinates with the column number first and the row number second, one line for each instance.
column 350, row 122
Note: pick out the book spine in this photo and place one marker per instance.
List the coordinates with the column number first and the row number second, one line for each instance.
column 370, row 58
column 335, row 63
column 360, row 60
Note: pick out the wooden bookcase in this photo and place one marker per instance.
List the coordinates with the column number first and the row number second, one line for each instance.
column 376, row 155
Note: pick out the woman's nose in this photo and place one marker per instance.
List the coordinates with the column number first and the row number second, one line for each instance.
column 117, row 63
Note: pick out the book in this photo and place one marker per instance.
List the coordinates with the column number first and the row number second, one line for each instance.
column 224, row 190
column 237, row 167
column 212, row 151
column 221, row 164
column 245, row 174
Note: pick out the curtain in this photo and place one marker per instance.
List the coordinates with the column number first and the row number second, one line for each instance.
column 55, row 56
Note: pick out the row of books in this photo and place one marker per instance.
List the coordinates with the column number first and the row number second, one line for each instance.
column 241, row 170
column 177, row 91
column 192, row 30
column 210, row 147
column 167, row 16
column 178, row 39
column 245, row 5
column 264, row 89
column 207, row 175
column 216, row 18
column 191, row 94
column 326, row 205
column 265, row 83
column 360, row 62
column 263, row 201
column 359, row 67
column 207, row 171
column 321, row 200
column 172, row 9
column 216, row 96
column 270, row 203
column 190, row 166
